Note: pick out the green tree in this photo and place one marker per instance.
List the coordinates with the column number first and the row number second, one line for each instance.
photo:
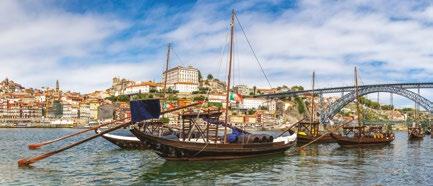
column 123, row 98
column 215, row 104
column 251, row 111
column 209, row 76
column 153, row 90
column 199, row 98
column 300, row 104
column 297, row 88
column 199, row 76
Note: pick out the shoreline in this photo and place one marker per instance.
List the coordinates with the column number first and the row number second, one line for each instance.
column 44, row 127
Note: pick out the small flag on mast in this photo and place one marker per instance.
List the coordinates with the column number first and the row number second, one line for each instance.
column 235, row 97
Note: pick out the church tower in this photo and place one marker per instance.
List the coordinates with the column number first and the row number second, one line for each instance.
column 57, row 86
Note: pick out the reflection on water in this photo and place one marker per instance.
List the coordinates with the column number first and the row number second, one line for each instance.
column 99, row 162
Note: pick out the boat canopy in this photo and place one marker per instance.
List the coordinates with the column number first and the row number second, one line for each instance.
column 145, row 109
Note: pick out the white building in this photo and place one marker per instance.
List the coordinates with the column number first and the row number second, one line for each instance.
column 144, row 87
column 253, row 103
column 185, row 87
column 181, row 74
column 217, row 98
column 85, row 111
column 69, row 111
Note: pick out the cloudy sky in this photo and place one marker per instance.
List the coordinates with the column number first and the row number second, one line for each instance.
column 85, row 43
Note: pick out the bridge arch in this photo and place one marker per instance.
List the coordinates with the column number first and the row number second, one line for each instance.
column 336, row 106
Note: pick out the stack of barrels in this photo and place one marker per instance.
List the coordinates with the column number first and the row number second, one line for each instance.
column 254, row 138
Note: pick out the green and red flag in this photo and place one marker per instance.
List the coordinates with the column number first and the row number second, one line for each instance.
column 167, row 106
column 235, row 97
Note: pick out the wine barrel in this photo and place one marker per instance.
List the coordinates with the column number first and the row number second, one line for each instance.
column 248, row 138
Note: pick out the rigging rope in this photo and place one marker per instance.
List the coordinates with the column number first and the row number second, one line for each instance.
column 252, row 50
column 177, row 56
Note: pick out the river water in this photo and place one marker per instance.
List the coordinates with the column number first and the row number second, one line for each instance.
column 100, row 163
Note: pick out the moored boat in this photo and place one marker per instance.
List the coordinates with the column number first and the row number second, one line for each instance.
column 199, row 137
column 124, row 142
column 360, row 135
column 207, row 144
column 308, row 132
column 415, row 133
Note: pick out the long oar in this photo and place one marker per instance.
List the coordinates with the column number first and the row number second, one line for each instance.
column 28, row 161
column 302, row 147
column 38, row 145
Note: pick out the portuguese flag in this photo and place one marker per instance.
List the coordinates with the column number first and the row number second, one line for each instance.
column 235, row 97
column 167, row 106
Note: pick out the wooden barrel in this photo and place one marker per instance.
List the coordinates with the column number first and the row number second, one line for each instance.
column 248, row 138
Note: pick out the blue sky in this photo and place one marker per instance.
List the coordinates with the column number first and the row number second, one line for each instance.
column 85, row 43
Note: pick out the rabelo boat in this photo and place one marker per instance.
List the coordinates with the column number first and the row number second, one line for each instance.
column 309, row 130
column 200, row 135
column 361, row 135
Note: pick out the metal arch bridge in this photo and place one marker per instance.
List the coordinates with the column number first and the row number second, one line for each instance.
column 346, row 89
column 335, row 107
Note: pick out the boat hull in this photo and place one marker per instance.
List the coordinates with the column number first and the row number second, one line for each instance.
column 345, row 141
column 416, row 136
column 303, row 139
column 191, row 151
column 125, row 142
column 415, row 133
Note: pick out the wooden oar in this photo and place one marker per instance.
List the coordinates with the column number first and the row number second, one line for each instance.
column 303, row 146
column 38, row 145
column 29, row 161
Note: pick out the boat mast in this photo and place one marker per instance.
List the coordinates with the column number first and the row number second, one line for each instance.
column 312, row 99
column 229, row 74
column 415, row 114
column 166, row 71
column 357, row 98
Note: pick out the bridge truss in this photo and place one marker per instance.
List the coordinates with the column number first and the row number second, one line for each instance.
column 328, row 113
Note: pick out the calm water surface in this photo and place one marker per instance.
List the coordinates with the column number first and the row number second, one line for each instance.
column 100, row 163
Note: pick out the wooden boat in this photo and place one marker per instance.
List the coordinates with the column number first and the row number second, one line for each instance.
column 132, row 142
column 208, row 145
column 308, row 132
column 359, row 136
column 124, row 142
column 199, row 137
column 428, row 131
column 415, row 133
column 356, row 136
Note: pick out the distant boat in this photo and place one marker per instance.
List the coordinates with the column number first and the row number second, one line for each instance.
column 415, row 133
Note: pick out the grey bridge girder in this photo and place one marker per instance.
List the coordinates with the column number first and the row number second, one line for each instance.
column 335, row 107
column 347, row 89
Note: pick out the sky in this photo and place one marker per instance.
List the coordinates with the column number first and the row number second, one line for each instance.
column 84, row 44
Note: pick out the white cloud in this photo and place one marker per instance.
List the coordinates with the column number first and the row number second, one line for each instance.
column 328, row 37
